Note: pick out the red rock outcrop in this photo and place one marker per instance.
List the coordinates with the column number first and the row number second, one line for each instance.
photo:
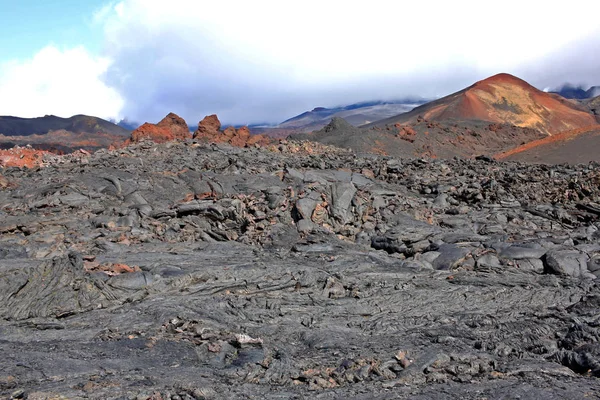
column 260, row 140
column 176, row 125
column 230, row 133
column 172, row 127
column 209, row 130
column 151, row 132
column 208, row 127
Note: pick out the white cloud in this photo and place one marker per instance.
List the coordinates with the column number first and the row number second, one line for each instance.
column 59, row 82
column 251, row 61
column 340, row 39
column 576, row 63
column 266, row 60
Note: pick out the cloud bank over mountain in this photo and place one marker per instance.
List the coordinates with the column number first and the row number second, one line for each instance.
column 265, row 61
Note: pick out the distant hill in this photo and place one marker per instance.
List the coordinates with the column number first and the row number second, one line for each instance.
column 593, row 105
column 15, row 126
column 569, row 91
column 503, row 99
column 355, row 114
column 60, row 134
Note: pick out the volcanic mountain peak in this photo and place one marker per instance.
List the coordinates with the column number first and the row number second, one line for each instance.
column 503, row 77
column 570, row 91
column 505, row 99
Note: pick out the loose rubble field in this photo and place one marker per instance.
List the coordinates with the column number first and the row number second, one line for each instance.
column 199, row 271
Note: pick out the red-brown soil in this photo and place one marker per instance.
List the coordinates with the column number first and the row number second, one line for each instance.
column 21, row 157
column 575, row 146
column 425, row 138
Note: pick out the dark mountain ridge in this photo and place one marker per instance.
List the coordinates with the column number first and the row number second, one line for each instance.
column 325, row 112
column 569, row 91
column 355, row 114
column 17, row 126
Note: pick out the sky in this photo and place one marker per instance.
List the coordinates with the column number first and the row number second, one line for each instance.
column 265, row 61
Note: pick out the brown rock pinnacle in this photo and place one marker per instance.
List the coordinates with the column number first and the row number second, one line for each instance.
column 171, row 127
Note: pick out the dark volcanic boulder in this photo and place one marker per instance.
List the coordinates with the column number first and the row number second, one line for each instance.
column 450, row 256
column 567, row 263
column 407, row 232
